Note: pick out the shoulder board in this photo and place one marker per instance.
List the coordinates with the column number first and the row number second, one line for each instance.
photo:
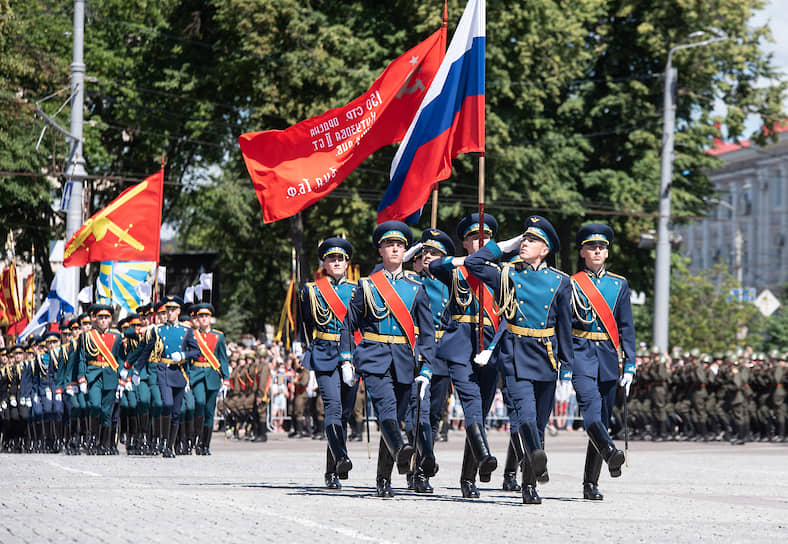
column 563, row 274
column 309, row 284
column 618, row 276
column 217, row 331
column 182, row 326
column 410, row 274
column 113, row 329
column 353, row 283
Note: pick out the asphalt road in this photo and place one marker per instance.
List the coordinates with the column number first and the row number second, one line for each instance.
column 671, row 492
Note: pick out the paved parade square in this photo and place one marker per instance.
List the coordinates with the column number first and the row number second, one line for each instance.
column 273, row 492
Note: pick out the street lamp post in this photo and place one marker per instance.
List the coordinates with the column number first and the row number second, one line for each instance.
column 662, row 264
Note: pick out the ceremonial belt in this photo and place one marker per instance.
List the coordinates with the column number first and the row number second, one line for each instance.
column 398, row 309
column 537, row 333
column 471, row 319
column 170, row 361
column 333, row 337
column 602, row 309
column 591, row 335
column 206, row 351
column 99, row 363
column 97, row 338
column 385, row 338
column 202, row 364
column 490, row 307
column 334, row 302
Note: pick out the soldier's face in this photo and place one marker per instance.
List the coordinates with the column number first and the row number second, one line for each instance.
column 392, row 252
column 594, row 255
column 103, row 321
column 533, row 250
column 173, row 314
column 430, row 255
column 471, row 242
column 203, row 321
column 335, row 265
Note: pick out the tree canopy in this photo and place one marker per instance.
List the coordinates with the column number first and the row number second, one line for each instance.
column 573, row 116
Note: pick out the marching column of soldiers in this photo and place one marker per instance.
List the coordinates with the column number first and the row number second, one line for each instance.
column 90, row 385
column 401, row 339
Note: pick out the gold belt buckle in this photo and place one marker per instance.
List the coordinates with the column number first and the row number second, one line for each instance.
column 391, row 339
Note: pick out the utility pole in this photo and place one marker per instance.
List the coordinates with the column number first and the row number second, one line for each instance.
column 72, row 192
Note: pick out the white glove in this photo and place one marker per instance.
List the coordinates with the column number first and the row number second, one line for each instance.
column 348, row 374
column 118, row 392
column 13, row 403
column 29, row 402
column 83, row 388
column 177, row 356
column 298, row 349
column 625, row 381
column 411, row 252
column 188, row 387
column 3, row 405
column 36, row 399
column 135, row 379
column 48, row 394
column 483, row 357
column 124, row 373
column 59, row 397
column 128, row 385
column 510, row 245
column 70, row 390
column 422, row 382
column 312, row 383
column 223, row 391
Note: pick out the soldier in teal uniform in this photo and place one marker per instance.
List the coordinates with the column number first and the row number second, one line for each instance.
column 321, row 301
column 393, row 314
column 599, row 360
column 99, row 354
column 535, row 300
column 178, row 348
column 208, row 374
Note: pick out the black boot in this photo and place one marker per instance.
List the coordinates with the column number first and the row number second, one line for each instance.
column 168, row 438
column 485, row 461
column 107, row 443
column 426, row 454
column 468, row 473
column 510, row 482
column 421, row 482
column 332, row 481
column 591, row 474
column 206, row 440
column 385, row 464
column 199, row 422
column 400, row 450
column 604, row 445
column 261, row 432
column 336, row 446
column 534, row 461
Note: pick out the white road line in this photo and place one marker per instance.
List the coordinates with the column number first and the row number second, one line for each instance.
column 87, row 472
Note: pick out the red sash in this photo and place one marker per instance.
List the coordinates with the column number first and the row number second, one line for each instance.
column 98, row 339
column 334, row 302
column 392, row 299
column 600, row 306
column 207, row 352
column 490, row 306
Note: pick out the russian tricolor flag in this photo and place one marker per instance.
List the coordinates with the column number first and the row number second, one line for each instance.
column 449, row 121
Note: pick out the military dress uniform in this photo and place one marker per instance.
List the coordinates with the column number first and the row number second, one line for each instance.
column 387, row 355
column 475, row 385
column 321, row 302
column 596, row 366
column 208, row 373
column 538, row 337
column 98, row 356
column 178, row 348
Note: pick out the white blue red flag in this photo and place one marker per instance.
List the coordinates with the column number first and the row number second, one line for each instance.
column 449, row 121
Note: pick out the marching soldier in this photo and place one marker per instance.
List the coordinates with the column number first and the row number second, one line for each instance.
column 388, row 309
column 179, row 347
column 323, row 309
column 535, row 300
column 98, row 355
column 603, row 336
column 475, row 384
column 208, row 374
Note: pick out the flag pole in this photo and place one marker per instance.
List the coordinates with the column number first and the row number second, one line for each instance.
column 482, row 288
column 154, row 299
column 434, row 215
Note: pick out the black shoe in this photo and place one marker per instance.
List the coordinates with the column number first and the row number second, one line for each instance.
column 421, row 484
column 384, row 487
column 510, row 482
column 332, row 482
column 530, row 496
column 469, row 489
column 544, row 477
column 591, row 493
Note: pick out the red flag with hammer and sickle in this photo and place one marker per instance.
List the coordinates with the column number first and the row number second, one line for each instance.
column 126, row 230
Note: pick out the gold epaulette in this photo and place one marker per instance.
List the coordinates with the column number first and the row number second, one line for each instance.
column 564, row 274
column 615, row 275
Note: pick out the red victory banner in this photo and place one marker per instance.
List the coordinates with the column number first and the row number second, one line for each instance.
column 292, row 169
column 126, row 230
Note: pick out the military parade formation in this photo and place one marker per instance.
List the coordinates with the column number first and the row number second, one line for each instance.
column 496, row 318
